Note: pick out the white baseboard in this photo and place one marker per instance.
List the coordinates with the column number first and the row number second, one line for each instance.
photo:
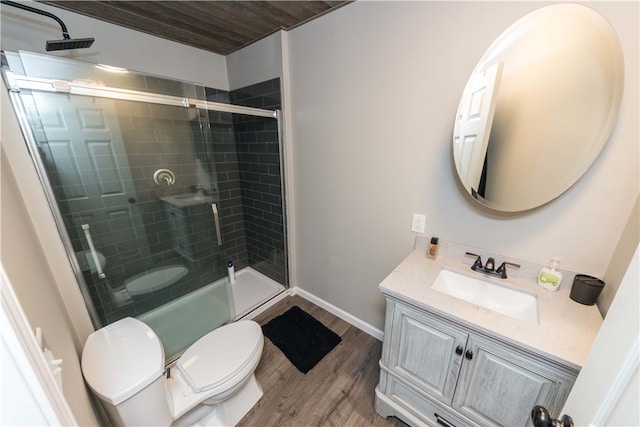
column 254, row 313
column 363, row 326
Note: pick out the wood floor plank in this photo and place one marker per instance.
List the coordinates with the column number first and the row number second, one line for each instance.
column 338, row 391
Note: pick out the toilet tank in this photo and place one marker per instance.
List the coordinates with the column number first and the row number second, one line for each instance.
column 123, row 364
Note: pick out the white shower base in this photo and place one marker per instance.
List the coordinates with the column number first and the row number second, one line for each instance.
column 251, row 289
column 181, row 322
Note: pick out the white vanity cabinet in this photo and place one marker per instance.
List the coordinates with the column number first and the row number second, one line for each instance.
column 435, row 370
column 181, row 236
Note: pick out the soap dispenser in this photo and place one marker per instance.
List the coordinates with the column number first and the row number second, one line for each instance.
column 549, row 278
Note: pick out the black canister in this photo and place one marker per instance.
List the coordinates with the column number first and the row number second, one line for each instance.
column 586, row 289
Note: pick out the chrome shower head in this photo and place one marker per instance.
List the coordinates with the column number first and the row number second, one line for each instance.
column 69, row 43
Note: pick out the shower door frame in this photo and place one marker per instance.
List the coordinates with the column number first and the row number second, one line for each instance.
column 15, row 83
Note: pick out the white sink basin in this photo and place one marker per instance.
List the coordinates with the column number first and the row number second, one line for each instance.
column 514, row 303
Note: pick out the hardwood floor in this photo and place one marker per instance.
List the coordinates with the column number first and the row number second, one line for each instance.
column 338, row 391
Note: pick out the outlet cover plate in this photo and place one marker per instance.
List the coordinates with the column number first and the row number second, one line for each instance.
column 417, row 225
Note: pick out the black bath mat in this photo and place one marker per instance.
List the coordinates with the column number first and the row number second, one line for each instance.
column 302, row 338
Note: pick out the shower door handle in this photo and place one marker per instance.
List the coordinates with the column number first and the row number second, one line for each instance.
column 94, row 253
column 216, row 220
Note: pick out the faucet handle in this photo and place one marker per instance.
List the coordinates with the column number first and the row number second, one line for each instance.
column 503, row 268
column 477, row 264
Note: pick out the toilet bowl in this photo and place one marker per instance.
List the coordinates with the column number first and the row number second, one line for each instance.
column 154, row 280
column 155, row 287
column 211, row 384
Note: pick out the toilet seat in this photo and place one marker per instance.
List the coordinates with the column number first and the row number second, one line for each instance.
column 218, row 357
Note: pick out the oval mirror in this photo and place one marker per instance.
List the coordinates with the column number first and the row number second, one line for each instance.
column 538, row 107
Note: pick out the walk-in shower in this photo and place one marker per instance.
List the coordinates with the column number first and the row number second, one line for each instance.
column 156, row 184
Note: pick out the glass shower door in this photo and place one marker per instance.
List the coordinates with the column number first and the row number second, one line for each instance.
column 154, row 187
column 138, row 198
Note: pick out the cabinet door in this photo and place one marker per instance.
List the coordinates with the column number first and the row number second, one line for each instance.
column 424, row 352
column 500, row 387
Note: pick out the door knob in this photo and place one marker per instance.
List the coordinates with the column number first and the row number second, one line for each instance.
column 459, row 350
column 540, row 418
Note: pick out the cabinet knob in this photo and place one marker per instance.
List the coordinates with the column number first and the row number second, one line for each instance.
column 469, row 354
column 459, row 350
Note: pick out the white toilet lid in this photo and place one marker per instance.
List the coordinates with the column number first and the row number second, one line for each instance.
column 121, row 359
column 220, row 354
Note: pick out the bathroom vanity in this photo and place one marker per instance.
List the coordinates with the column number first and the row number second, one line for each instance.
column 447, row 361
column 182, row 211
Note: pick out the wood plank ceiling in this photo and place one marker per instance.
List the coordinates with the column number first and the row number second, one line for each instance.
column 216, row 26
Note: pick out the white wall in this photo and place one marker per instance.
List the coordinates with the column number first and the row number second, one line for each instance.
column 23, row 257
column 375, row 87
column 114, row 45
column 34, row 398
column 620, row 261
column 255, row 63
column 606, row 391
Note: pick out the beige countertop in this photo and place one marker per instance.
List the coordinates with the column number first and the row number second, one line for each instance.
column 565, row 330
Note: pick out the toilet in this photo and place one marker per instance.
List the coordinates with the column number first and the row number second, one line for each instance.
column 155, row 287
column 211, row 384
column 155, row 280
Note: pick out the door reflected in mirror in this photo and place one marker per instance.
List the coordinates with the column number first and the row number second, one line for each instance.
column 538, row 108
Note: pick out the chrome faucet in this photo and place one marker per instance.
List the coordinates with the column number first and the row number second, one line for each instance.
column 489, row 267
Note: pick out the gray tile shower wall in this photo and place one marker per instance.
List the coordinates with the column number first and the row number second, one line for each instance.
column 176, row 143
column 259, row 166
column 225, row 159
column 138, row 233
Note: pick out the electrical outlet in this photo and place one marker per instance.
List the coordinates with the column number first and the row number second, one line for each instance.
column 417, row 225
